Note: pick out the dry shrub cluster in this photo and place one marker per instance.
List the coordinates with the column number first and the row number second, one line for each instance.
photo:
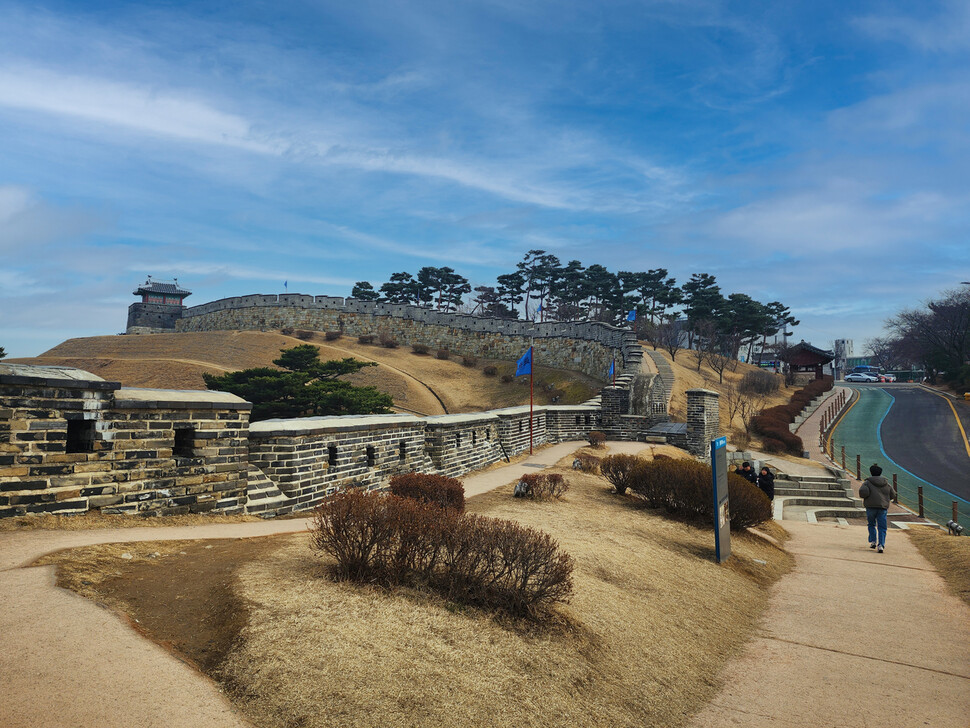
column 287, row 331
column 438, row 490
column 443, row 354
column 617, row 469
column 759, row 383
column 388, row 341
column 595, row 438
column 586, row 464
column 332, row 335
column 475, row 560
column 772, row 423
column 684, row 488
column 469, row 361
column 420, row 349
column 508, row 378
column 490, row 370
column 365, row 339
column 304, row 335
column 541, row 486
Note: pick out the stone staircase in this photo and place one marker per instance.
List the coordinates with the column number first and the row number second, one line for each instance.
column 262, row 495
column 663, row 386
column 815, row 497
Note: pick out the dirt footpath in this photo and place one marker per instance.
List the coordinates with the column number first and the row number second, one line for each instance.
column 851, row 639
column 66, row 662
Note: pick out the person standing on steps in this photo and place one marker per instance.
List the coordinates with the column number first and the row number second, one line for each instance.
column 747, row 472
column 766, row 481
column 876, row 494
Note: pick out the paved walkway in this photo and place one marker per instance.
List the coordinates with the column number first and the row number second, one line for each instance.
column 851, row 639
column 808, row 431
column 65, row 662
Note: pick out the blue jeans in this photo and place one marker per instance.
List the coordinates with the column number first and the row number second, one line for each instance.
column 877, row 517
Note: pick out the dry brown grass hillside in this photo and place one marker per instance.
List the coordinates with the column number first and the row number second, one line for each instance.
column 652, row 620
column 687, row 377
column 420, row 384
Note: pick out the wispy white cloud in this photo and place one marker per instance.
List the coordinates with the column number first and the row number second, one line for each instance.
column 159, row 112
column 28, row 224
column 945, row 31
column 231, row 270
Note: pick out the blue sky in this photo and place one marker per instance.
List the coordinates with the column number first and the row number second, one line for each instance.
column 810, row 152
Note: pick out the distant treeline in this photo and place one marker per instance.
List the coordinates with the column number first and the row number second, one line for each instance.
column 542, row 288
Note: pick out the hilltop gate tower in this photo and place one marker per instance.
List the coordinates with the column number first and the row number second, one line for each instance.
column 160, row 307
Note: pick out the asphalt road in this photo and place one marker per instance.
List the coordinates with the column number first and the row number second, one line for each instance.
column 921, row 434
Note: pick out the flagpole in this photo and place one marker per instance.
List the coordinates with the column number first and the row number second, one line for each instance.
column 532, row 368
column 613, row 369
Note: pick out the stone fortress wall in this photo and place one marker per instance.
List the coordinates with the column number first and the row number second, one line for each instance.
column 71, row 442
column 588, row 347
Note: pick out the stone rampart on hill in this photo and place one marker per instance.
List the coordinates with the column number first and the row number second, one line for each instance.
column 588, row 347
column 71, row 442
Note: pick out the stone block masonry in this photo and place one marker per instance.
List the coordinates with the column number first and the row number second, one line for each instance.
column 72, row 442
column 703, row 420
column 588, row 347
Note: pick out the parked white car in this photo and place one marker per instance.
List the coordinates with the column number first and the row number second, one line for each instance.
column 860, row 377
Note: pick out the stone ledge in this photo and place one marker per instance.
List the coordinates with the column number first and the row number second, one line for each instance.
column 138, row 398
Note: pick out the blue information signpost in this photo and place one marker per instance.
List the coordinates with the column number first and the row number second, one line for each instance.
column 722, row 511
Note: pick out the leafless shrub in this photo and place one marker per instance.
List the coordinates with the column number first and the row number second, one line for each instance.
column 595, row 438
column 759, row 383
column 438, row 490
column 542, row 486
column 420, row 349
column 617, row 469
column 468, row 559
column 586, row 464
column 304, row 335
column 684, row 488
column 332, row 335
column 443, row 354
column 365, row 339
column 490, row 371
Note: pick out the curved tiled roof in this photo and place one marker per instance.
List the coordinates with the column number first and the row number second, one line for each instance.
column 164, row 287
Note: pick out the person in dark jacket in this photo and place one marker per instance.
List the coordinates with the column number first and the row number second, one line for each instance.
column 766, row 481
column 747, row 472
column 876, row 494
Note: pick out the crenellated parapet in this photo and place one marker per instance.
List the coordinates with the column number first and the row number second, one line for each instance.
column 71, row 442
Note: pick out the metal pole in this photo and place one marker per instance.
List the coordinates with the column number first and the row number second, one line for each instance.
column 895, row 489
column 919, row 496
column 858, row 467
column 532, row 368
column 843, row 457
column 956, row 512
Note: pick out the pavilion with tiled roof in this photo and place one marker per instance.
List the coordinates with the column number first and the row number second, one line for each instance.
column 803, row 359
column 162, row 292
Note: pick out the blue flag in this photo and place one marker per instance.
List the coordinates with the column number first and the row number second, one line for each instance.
column 524, row 365
column 612, row 369
column 632, row 316
column 539, row 310
column 284, row 285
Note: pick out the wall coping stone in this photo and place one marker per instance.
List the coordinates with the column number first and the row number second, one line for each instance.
column 52, row 376
column 434, row 420
column 139, row 398
column 340, row 423
column 701, row 390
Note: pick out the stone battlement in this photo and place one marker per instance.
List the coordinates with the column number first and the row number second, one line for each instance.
column 586, row 346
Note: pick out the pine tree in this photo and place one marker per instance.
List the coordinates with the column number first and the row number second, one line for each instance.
column 305, row 386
